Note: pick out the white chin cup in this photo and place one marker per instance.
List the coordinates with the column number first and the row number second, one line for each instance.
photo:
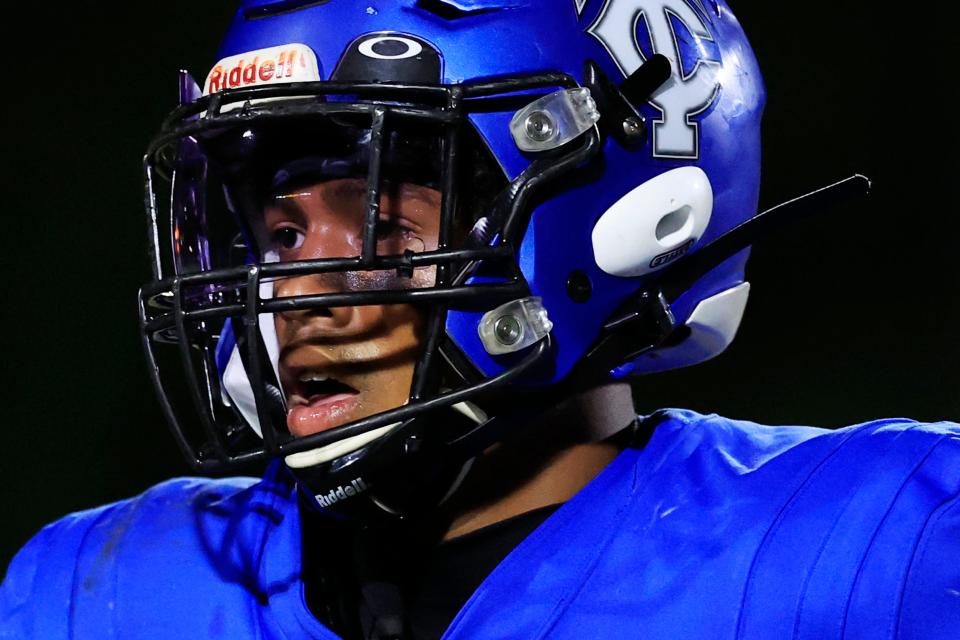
column 337, row 449
column 340, row 448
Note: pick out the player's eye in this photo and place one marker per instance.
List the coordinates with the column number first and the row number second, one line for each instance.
column 389, row 228
column 396, row 235
column 287, row 238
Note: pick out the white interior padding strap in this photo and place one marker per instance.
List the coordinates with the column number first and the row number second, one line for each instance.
column 236, row 384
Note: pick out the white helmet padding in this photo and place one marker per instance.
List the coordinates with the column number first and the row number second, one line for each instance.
column 654, row 223
column 236, row 384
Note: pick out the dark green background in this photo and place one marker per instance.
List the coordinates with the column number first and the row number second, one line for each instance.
column 851, row 317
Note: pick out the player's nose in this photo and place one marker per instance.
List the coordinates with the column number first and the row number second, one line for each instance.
column 330, row 238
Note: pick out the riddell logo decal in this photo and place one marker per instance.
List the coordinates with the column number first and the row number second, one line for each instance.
column 286, row 63
column 341, row 493
column 670, row 256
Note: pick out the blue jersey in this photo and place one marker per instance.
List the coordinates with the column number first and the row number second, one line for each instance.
column 715, row 529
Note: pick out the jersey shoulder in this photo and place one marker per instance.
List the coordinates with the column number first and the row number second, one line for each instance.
column 753, row 444
column 854, row 529
column 720, row 528
column 102, row 572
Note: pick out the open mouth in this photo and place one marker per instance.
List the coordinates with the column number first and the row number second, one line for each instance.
column 316, row 387
column 319, row 402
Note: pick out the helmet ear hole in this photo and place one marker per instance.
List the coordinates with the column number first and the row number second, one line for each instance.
column 675, row 227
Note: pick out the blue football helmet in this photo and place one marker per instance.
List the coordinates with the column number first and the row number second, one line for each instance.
column 593, row 156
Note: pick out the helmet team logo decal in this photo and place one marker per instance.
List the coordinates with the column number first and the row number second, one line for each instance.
column 674, row 29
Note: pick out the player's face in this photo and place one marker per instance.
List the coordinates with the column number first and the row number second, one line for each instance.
column 340, row 364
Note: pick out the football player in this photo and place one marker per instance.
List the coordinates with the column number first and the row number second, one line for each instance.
column 410, row 255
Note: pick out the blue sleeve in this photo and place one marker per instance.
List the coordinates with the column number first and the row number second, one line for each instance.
column 38, row 590
column 931, row 594
column 135, row 568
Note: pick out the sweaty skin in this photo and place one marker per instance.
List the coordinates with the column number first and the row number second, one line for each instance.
column 370, row 351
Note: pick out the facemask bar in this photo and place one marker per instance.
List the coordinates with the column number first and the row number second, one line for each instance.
column 437, row 315
column 450, row 104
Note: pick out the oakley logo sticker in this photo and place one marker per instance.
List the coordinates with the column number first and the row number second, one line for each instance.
column 632, row 30
column 389, row 56
column 390, row 48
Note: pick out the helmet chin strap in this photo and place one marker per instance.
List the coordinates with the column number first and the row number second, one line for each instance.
column 337, row 449
column 341, row 448
column 399, row 474
column 344, row 470
column 410, row 468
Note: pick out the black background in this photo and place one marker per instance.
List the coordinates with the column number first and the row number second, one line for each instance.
column 851, row 316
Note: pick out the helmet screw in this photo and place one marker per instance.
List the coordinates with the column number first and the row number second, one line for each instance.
column 632, row 127
column 540, row 126
column 412, row 445
column 579, row 287
column 507, row 329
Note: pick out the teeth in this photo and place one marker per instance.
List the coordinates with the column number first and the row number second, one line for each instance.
column 313, row 377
